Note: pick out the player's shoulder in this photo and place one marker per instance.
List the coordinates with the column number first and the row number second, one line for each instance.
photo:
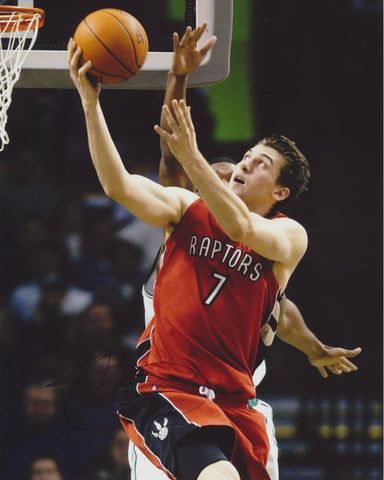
column 289, row 223
column 186, row 197
column 296, row 235
column 183, row 193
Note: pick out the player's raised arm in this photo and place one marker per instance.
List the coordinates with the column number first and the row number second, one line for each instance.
column 149, row 201
column 186, row 58
column 292, row 329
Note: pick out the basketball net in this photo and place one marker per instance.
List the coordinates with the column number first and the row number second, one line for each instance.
column 15, row 29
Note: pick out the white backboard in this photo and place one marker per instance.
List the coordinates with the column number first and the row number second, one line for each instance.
column 48, row 68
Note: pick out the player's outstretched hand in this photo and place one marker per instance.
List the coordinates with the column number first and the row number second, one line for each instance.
column 187, row 57
column 88, row 91
column 335, row 359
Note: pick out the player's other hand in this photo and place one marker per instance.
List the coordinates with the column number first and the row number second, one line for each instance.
column 334, row 359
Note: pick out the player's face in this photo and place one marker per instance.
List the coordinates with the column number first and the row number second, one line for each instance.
column 254, row 178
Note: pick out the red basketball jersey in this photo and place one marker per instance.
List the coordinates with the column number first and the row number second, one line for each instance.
column 211, row 297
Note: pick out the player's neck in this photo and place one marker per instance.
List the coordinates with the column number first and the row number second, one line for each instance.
column 261, row 208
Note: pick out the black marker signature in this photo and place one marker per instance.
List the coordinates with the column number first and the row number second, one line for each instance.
column 100, row 377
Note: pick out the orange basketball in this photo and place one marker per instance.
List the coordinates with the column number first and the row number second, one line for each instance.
column 115, row 42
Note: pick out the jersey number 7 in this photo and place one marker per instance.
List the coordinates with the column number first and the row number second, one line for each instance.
column 221, row 279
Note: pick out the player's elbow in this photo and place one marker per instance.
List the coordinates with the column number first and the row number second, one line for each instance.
column 283, row 327
column 109, row 190
column 113, row 192
column 116, row 187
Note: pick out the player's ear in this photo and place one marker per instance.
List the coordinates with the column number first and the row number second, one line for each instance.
column 281, row 193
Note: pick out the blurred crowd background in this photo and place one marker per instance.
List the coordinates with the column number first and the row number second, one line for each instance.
column 72, row 262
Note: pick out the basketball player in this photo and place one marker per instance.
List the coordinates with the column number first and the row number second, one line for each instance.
column 203, row 242
column 187, row 58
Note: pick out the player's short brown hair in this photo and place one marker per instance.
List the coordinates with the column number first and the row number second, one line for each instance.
column 295, row 173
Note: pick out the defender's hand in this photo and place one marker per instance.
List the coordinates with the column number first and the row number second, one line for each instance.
column 182, row 136
column 187, row 57
column 335, row 359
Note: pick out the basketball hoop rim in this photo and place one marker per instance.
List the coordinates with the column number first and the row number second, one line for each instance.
column 23, row 15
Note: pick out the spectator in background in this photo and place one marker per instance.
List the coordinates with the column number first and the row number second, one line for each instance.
column 29, row 197
column 92, row 271
column 69, row 226
column 29, row 187
column 38, row 426
column 48, row 330
column 48, row 268
column 114, row 275
column 112, row 462
column 122, row 288
column 89, row 404
column 25, row 238
column 94, row 331
column 125, row 266
column 44, row 466
column 43, row 307
column 46, row 264
column 12, row 373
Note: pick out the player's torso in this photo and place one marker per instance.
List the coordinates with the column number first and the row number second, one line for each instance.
column 211, row 297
